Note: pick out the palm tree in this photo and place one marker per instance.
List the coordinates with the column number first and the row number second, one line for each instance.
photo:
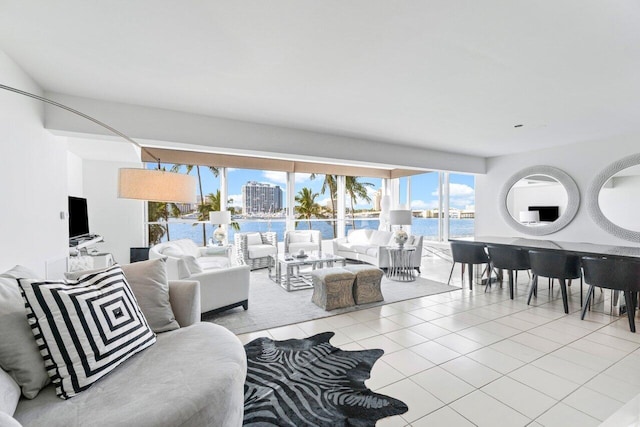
column 306, row 206
column 356, row 189
column 203, row 213
column 160, row 211
column 330, row 184
column 214, row 205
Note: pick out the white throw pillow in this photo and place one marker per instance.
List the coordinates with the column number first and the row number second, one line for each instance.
column 299, row 237
column 254, row 239
column 172, row 251
column 85, row 329
column 188, row 247
column 380, row 238
column 19, row 353
column 192, row 264
column 359, row 237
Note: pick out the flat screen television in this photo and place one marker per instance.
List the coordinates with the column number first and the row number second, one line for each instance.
column 78, row 217
column 547, row 213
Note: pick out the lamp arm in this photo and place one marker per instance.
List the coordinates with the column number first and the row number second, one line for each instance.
column 81, row 114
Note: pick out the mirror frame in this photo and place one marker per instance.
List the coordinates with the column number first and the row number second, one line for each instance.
column 573, row 200
column 593, row 207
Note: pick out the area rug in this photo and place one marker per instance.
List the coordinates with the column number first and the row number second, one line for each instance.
column 309, row 382
column 270, row 306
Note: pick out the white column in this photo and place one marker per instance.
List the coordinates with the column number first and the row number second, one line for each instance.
column 224, row 196
column 341, row 205
column 445, row 196
column 394, row 192
column 291, row 201
column 440, row 226
column 408, row 193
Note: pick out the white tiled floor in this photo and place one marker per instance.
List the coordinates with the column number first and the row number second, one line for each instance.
column 468, row 358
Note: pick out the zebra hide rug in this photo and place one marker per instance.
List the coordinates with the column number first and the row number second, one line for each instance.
column 309, row 382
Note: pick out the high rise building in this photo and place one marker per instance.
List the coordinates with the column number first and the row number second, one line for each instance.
column 377, row 198
column 259, row 198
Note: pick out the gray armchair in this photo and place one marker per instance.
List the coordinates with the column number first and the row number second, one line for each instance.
column 257, row 250
column 307, row 240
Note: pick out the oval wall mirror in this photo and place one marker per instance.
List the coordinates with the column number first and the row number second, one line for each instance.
column 614, row 198
column 539, row 200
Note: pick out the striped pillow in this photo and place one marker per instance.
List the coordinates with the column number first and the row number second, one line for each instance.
column 85, row 329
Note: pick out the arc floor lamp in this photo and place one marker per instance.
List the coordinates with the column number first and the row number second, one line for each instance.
column 155, row 185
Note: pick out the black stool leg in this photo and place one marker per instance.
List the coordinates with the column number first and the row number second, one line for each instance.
column 451, row 274
column 510, row 273
column 585, row 306
column 631, row 310
column 563, row 288
column 534, row 285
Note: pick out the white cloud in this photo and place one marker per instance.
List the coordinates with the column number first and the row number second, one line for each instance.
column 231, row 169
column 460, row 195
column 275, row 176
column 421, row 204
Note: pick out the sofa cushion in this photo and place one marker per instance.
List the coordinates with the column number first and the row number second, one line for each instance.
column 260, row 251
column 191, row 377
column 85, row 329
column 7, row 420
column 359, row 237
column 380, row 237
column 19, row 354
column 188, row 247
column 9, row 394
column 172, row 251
column 150, row 285
column 254, row 239
column 192, row 264
column 213, row 262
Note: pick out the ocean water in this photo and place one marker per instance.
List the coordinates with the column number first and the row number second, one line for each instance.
column 427, row 227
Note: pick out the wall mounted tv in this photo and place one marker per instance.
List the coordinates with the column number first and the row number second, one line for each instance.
column 78, row 217
column 547, row 213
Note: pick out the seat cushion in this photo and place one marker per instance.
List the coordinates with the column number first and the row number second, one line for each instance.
column 192, row 376
column 212, row 262
column 260, row 251
column 254, row 239
column 9, row 394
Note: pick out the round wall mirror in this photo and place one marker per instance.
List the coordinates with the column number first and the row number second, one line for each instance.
column 539, row 200
column 614, row 198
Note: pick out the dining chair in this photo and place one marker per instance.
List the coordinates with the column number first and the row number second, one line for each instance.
column 470, row 254
column 554, row 265
column 509, row 258
column 615, row 274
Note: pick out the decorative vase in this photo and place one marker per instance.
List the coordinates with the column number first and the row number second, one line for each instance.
column 401, row 237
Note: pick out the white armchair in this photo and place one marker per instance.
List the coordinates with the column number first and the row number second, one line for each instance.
column 221, row 286
column 307, row 240
column 257, row 250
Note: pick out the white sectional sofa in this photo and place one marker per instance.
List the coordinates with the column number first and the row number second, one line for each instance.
column 369, row 246
column 222, row 286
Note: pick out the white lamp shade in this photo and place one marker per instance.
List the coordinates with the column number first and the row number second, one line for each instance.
column 529, row 216
column 220, row 217
column 156, row 186
column 400, row 217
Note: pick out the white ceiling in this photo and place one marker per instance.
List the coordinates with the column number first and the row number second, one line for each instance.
column 448, row 75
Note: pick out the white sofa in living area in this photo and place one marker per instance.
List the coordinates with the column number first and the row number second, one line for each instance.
column 370, row 246
column 222, row 286
column 192, row 376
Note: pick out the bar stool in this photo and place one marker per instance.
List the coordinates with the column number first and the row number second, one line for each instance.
column 510, row 259
column 615, row 274
column 470, row 254
column 555, row 265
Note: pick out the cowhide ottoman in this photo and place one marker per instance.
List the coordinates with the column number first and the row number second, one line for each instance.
column 366, row 288
column 332, row 288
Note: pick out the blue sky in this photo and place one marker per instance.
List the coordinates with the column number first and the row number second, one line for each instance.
column 423, row 187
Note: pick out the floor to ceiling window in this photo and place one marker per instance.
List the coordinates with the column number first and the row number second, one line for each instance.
column 462, row 200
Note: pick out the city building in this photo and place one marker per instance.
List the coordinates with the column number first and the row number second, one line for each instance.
column 261, row 198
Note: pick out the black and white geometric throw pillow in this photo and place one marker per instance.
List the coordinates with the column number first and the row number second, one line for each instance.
column 85, row 329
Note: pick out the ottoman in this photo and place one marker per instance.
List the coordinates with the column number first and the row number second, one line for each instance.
column 366, row 287
column 332, row 288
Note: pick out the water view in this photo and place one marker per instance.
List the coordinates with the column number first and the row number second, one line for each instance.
column 427, row 227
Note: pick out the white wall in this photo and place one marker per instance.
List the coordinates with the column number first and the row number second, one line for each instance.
column 119, row 221
column 33, row 177
column 520, row 198
column 582, row 161
column 74, row 175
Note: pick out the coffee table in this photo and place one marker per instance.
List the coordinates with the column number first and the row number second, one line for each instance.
column 293, row 280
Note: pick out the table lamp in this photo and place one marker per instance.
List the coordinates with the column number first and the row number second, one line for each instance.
column 529, row 217
column 220, row 217
column 400, row 217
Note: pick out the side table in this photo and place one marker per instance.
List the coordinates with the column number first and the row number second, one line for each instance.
column 400, row 268
column 222, row 251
